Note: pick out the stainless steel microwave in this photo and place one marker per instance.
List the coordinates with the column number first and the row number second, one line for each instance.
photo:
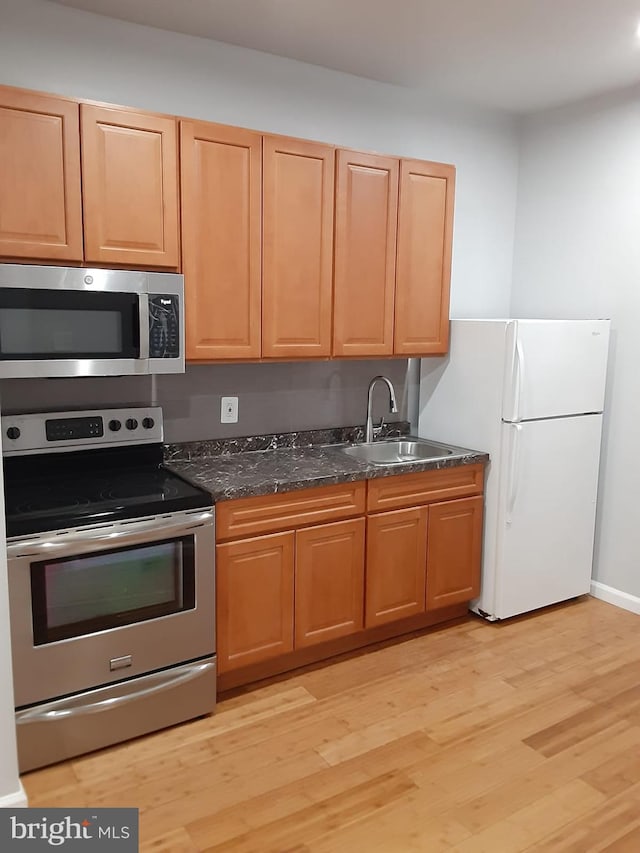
column 71, row 321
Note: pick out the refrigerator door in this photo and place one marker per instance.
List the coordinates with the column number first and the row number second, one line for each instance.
column 546, row 513
column 461, row 395
column 558, row 368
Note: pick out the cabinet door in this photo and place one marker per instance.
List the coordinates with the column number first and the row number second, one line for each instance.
column 396, row 565
column 40, row 205
column 365, row 253
column 329, row 581
column 130, row 187
column 423, row 270
column 297, row 248
column 454, row 552
column 221, row 171
column 254, row 600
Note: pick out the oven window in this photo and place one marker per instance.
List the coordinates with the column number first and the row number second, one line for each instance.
column 58, row 324
column 80, row 595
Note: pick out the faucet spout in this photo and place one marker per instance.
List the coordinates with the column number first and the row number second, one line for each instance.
column 393, row 406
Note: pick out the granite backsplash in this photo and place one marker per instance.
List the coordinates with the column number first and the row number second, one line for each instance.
column 187, row 451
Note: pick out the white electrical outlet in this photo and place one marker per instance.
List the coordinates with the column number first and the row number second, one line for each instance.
column 229, row 410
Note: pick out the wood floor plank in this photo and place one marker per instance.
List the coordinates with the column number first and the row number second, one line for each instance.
column 559, row 807
column 178, row 841
column 402, row 828
column 593, row 832
column 573, row 729
column 499, row 803
column 312, row 822
column 628, row 843
column 617, row 774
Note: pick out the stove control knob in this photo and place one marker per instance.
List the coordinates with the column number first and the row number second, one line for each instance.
column 148, row 423
column 13, row 433
column 132, row 423
column 114, row 425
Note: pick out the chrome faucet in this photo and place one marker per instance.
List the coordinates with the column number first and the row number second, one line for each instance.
column 393, row 406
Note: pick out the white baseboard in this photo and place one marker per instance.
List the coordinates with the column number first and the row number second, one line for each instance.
column 17, row 800
column 615, row 596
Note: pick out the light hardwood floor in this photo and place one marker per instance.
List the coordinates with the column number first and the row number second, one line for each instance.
column 474, row 737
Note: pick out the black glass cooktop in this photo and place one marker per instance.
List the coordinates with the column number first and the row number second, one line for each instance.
column 55, row 491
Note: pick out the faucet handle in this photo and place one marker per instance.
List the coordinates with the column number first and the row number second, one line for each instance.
column 378, row 429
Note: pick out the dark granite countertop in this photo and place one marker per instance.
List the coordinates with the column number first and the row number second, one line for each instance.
column 228, row 470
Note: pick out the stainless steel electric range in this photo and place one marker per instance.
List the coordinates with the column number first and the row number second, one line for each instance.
column 111, row 582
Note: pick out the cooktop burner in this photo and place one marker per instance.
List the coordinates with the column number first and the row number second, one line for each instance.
column 53, row 491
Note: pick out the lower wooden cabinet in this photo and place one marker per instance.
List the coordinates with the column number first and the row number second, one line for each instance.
column 257, row 608
column 454, row 552
column 254, row 590
column 329, row 581
column 288, row 583
column 396, row 565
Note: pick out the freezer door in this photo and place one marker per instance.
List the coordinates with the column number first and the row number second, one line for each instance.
column 547, row 508
column 558, row 367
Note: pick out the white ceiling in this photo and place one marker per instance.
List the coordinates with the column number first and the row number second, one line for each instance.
column 516, row 55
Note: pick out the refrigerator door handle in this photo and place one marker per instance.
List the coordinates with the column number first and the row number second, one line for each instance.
column 518, row 381
column 514, row 471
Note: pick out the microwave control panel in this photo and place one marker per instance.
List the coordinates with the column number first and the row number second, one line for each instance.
column 164, row 326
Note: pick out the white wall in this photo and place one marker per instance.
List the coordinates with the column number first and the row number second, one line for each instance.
column 578, row 255
column 57, row 49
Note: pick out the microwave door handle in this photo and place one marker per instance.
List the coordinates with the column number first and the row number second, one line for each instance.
column 144, row 325
column 136, row 531
column 51, row 713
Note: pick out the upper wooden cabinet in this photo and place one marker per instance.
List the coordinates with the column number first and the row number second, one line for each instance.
column 365, row 253
column 423, row 271
column 297, row 263
column 40, row 203
column 221, row 177
column 130, row 187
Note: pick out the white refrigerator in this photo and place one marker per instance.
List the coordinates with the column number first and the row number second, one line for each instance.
column 531, row 394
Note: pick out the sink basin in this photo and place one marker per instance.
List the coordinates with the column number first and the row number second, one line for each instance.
column 397, row 452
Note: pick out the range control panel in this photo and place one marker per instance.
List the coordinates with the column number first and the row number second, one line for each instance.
column 66, row 429
column 56, row 431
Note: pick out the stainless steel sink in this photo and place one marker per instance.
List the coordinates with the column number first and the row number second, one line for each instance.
column 397, row 452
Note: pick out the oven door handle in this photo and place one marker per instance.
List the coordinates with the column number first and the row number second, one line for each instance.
column 76, row 705
column 129, row 533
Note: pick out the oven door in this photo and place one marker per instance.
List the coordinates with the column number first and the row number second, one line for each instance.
column 92, row 607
